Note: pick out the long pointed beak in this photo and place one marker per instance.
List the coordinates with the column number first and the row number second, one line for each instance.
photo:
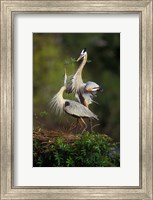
column 65, row 70
column 79, row 58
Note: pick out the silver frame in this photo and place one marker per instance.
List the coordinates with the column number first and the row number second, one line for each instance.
column 8, row 9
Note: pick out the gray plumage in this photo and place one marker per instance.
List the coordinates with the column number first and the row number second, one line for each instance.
column 78, row 110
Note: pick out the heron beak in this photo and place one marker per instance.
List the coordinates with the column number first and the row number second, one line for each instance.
column 65, row 70
column 79, row 58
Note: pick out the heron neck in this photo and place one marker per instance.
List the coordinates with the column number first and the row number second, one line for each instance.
column 61, row 91
column 80, row 68
column 58, row 101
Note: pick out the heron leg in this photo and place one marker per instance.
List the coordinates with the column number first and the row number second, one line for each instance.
column 73, row 125
column 84, row 124
column 79, row 122
column 80, row 125
column 76, row 125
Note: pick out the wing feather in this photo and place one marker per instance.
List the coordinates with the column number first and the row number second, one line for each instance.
column 78, row 110
column 92, row 87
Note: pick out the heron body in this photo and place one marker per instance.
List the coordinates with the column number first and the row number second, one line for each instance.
column 71, row 107
column 84, row 92
column 76, row 109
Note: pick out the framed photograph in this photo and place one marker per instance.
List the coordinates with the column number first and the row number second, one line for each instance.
column 76, row 99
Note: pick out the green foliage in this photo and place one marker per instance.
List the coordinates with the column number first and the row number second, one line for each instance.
column 43, row 114
column 91, row 150
column 70, row 61
column 40, row 120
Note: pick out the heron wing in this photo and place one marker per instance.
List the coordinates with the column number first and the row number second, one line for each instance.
column 76, row 109
column 92, row 87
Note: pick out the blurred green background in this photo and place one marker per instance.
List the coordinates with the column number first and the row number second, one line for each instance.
column 52, row 52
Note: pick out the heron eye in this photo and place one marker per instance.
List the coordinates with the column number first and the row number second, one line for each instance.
column 67, row 103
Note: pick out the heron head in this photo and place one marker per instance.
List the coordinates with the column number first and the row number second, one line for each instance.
column 65, row 78
column 82, row 54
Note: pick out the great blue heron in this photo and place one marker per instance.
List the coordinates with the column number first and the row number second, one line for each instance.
column 84, row 92
column 71, row 107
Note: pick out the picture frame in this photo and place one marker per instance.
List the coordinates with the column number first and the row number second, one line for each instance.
column 8, row 10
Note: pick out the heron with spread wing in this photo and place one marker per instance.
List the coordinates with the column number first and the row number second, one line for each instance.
column 84, row 92
column 71, row 107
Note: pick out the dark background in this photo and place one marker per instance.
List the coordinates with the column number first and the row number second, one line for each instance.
column 52, row 52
